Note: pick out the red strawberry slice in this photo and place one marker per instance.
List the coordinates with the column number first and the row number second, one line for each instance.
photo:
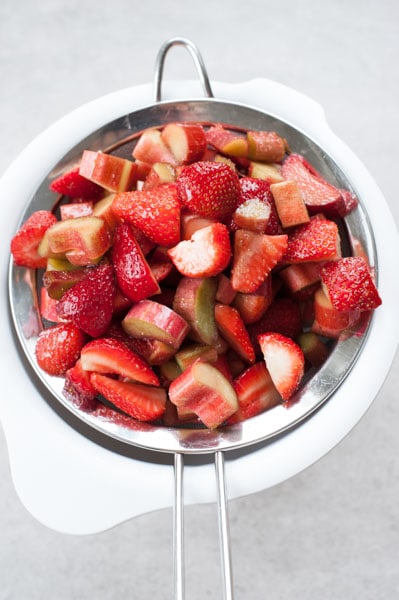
column 155, row 212
column 107, row 355
column 26, row 241
column 254, row 256
column 142, row 402
column 58, row 348
column 206, row 254
column 133, row 273
column 78, row 388
column 74, row 185
column 209, row 189
column 89, row 303
column 284, row 361
column 318, row 194
column 253, row 306
column 255, row 392
column 349, row 284
column 259, row 189
column 283, row 316
column 317, row 240
column 232, row 328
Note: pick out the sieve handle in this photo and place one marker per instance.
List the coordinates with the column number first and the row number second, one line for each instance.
column 224, row 531
column 197, row 58
column 178, row 528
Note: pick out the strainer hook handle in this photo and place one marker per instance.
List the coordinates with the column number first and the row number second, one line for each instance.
column 198, row 61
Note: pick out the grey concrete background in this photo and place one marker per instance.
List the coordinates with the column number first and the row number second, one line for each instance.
column 331, row 532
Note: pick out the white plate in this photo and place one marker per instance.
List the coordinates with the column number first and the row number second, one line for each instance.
column 73, row 484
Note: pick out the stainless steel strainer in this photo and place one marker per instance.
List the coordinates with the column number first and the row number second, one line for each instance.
column 119, row 137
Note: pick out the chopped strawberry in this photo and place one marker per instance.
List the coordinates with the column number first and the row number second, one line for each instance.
column 254, row 256
column 74, row 185
column 155, row 212
column 349, row 284
column 89, row 303
column 78, row 388
column 142, row 402
column 317, row 240
column 283, row 316
column 318, row 194
column 25, row 243
column 253, row 306
column 58, row 348
column 285, row 362
column 259, row 189
column 206, row 254
column 209, row 189
column 232, row 328
column 133, row 273
column 107, row 355
column 255, row 392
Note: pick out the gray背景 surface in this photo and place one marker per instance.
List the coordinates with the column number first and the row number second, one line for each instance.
column 331, row 532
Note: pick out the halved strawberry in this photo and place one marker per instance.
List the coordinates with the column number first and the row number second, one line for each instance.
column 142, row 402
column 283, row 316
column 78, row 388
column 253, row 306
column 284, row 361
column 349, row 284
column 209, row 189
column 74, row 185
column 317, row 240
column 58, row 348
column 232, row 328
column 255, row 392
column 206, row 254
column 26, row 241
column 259, row 189
column 133, row 273
column 254, row 256
column 318, row 194
column 89, row 303
column 155, row 212
column 107, row 355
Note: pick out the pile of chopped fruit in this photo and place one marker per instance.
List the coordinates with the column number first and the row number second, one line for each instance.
column 196, row 282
